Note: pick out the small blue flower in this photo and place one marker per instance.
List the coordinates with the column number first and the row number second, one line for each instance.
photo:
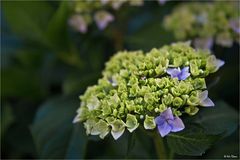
column 178, row 73
column 167, row 123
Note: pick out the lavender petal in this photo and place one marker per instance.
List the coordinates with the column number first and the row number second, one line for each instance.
column 164, row 129
column 177, row 124
column 173, row 72
column 167, row 114
column 207, row 103
column 203, row 95
column 159, row 120
column 184, row 73
column 219, row 63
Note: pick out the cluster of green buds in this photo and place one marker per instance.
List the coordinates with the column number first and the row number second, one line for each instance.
column 206, row 23
column 137, row 87
column 87, row 11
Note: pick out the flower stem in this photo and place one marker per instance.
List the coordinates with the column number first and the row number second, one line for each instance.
column 159, row 146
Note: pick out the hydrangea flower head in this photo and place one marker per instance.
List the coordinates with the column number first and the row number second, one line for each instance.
column 150, row 89
column 205, row 22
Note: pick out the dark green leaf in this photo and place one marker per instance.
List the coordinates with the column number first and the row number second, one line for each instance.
column 7, row 118
column 53, row 131
column 57, row 27
column 21, row 82
column 77, row 83
column 191, row 141
column 217, row 120
column 28, row 19
column 77, row 144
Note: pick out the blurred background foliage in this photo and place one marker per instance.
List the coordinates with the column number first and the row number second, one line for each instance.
column 46, row 65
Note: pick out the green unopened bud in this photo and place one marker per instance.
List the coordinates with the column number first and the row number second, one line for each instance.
column 162, row 108
column 124, row 73
column 184, row 87
column 177, row 62
column 149, row 98
column 191, row 110
column 138, row 109
column 176, row 112
column 199, row 83
column 130, row 105
column 167, row 99
column 193, row 100
column 149, row 122
column 194, row 68
column 159, row 82
column 177, row 102
column 133, row 81
column 159, row 70
column 175, row 91
column 134, row 90
column 115, row 112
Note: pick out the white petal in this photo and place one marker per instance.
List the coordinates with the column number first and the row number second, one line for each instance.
column 219, row 63
column 203, row 95
column 207, row 103
column 118, row 134
column 76, row 119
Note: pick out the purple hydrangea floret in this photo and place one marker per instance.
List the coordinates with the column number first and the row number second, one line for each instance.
column 167, row 123
column 181, row 74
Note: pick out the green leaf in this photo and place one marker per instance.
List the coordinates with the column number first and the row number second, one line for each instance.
column 57, row 27
column 7, row 118
column 76, row 83
column 21, row 82
column 28, row 19
column 221, row 119
column 54, row 133
column 191, row 141
column 77, row 144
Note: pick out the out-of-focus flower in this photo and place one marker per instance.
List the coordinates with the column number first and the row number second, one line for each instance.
column 136, row 2
column 116, row 4
column 167, row 123
column 205, row 22
column 203, row 43
column 178, row 73
column 201, row 18
column 235, row 25
column 104, row 1
column 224, row 39
column 103, row 18
column 78, row 23
column 161, row 2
